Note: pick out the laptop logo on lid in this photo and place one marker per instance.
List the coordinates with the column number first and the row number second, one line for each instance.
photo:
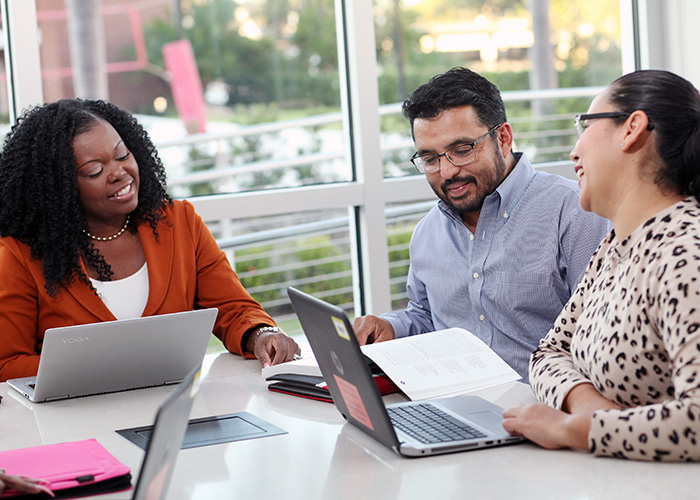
column 75, row 340
column 337, row 363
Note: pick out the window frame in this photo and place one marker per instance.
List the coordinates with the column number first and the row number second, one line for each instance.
column 368, row 195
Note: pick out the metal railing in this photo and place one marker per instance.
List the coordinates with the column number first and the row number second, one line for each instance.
column 313, row 251
column 217, row 158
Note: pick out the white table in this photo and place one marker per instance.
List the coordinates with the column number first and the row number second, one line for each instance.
column 322, row 457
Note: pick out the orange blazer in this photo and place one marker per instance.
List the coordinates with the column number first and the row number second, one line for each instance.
column 186, row 270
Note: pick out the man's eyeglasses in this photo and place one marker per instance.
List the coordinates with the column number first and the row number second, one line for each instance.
column 459, row 155
column 580, row 120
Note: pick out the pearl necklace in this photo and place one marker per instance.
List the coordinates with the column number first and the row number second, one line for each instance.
column 108, row 238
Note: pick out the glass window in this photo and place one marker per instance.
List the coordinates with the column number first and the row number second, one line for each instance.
column 245, row 95
column 521, row 46
column 237, row 95
column 401, row 220
column 548, row 58
column 4, row 100
column 307, row 250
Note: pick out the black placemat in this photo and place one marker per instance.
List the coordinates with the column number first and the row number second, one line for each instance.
column 211, row 430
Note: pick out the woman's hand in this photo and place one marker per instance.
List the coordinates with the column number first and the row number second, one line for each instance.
column 272, row 346
column 23, row 484
column 549, row 428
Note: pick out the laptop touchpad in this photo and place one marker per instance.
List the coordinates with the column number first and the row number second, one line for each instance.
column 486, row 419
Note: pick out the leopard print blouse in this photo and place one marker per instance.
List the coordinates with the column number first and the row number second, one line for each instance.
column 632, row 329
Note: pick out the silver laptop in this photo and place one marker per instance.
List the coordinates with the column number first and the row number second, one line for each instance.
column 165, row 440
column 113, row 356
column 418, row 428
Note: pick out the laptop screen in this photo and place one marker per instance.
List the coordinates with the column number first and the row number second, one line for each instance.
column 343, row 366
column 165, row 441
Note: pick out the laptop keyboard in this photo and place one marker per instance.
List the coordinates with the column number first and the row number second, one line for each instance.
column 429, row 424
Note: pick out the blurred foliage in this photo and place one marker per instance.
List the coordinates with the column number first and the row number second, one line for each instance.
column 316, row 264
column 256, row 271
column 398, row 241
column 289, row 67
column 198, row 160
column 291, row 61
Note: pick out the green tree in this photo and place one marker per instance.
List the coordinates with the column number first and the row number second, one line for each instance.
column 326, row 268
column 221, row 52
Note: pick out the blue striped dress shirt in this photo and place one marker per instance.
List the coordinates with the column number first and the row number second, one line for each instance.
column 507, row 282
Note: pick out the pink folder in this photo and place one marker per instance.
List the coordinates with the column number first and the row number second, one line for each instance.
column 79, row 467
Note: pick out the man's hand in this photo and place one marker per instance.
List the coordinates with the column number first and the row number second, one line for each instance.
column 273, row 347
column 370, row 329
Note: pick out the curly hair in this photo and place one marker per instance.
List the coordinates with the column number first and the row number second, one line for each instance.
column 40, row 204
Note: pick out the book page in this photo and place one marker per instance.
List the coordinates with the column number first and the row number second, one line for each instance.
column 440, row 363
column 304, row 366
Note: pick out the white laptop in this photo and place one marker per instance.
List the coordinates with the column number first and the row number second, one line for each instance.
column 165, row 440
column 416, row 428
column 113, row 356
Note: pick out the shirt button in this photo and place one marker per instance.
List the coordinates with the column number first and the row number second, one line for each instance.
column 482, row 318
column 505, row 215
column 471, row 237
column 476, row 276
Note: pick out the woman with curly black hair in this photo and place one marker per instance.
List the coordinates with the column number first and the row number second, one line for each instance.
column 89, row 233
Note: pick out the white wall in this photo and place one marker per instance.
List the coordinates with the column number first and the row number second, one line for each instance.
column 670, row 37
column 683, row 38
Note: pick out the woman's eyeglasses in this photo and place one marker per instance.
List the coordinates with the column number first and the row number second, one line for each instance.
column 580, row 120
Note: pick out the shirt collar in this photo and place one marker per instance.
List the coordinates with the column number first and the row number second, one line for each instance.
column 513, row 186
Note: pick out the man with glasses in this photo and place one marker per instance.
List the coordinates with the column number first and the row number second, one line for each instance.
column 504, row 248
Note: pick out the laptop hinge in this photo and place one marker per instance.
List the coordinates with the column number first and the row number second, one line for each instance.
column 56, row 398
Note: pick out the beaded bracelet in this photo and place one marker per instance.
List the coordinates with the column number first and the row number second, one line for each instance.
column 264, row 329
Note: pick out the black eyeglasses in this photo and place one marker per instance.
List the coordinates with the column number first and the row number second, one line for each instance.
column 580, row 120
column 459, row 155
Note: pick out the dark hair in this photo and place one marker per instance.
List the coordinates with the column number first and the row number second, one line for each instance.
column 39, row 202
column 453, row 89
column 672, row 105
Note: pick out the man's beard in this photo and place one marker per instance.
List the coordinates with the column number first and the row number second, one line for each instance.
column 474, row 201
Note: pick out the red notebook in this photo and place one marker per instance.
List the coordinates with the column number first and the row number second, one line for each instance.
column 314, row 387
column 71, row 469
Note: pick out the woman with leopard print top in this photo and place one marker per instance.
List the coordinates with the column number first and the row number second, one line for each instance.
column 619, row 373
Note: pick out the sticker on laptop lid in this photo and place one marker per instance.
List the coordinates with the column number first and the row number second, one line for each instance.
column 353, row 400
column 340, row 328
column 196, row 384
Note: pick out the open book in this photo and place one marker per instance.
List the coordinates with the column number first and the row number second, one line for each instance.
column 438, row 364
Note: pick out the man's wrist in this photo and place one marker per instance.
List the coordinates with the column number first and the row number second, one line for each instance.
column 264, row 329
column 254, row 334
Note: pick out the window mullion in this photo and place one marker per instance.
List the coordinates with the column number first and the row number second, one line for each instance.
column 358, row 63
